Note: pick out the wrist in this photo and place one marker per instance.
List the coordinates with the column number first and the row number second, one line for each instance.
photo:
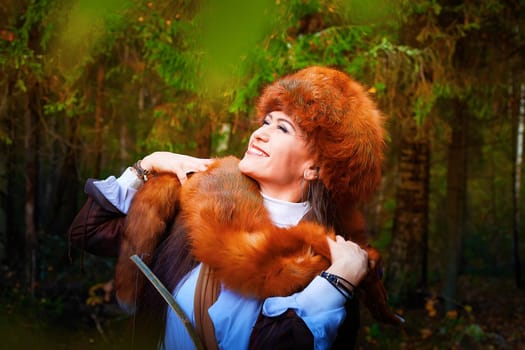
column 129, row 179
column 146, row 163
column 343, row 286
column 141, row 172
column 348, row 272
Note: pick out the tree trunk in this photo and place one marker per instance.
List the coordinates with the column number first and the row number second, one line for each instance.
column 517, row 185
column 456, row 202
column 203, row 138
column 407, row 268
column 14, row 201
column 65, row 190
column 99, row 118
column 31, row 176
column 123, row 142
column 4, row 165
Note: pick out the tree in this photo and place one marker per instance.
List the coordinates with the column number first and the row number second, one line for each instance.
column 462, row 42
column 517, row 171
column 406, row 74
column 25, row 84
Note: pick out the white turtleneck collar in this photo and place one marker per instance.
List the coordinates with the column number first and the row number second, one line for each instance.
column 283, row 213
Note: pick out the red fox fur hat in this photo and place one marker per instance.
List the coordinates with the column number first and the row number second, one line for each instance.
column 342, row 123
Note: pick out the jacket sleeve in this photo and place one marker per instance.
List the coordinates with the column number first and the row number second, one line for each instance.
column 286, row 331
column 96, row 229
column 98, row 226
column 319, row 308
column 289, row 331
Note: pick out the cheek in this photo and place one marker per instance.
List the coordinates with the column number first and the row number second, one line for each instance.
column 290, row 162
column 296, row 153
column 287, row 159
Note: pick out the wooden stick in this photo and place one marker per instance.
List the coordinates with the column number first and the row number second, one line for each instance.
column 169, row 299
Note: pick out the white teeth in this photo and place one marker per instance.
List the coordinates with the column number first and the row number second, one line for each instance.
column 257, row 152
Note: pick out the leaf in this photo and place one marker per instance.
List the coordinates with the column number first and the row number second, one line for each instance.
column 452, row 314
column 430, row 307
column 94, row 300
column 20, row 84
column 425, row 333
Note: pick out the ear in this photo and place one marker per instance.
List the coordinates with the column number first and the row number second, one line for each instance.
column 311, row 173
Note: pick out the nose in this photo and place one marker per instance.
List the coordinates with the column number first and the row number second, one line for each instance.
column 261, row 134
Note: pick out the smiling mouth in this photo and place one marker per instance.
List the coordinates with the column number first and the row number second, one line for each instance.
column 256, row 151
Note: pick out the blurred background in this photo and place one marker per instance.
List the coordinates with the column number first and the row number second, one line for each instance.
column 87, row 87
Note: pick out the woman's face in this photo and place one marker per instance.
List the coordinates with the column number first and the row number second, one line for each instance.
column 277, row 157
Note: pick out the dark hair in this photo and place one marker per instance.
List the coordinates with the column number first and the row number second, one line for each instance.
column 322, row 207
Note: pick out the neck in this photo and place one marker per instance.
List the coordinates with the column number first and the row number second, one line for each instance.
column 289, row 193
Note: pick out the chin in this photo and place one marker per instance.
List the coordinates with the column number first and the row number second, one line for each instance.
column 249, row 168
column 244, row 166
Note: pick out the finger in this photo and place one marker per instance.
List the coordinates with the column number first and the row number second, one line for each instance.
column 332, row 244
column 203, row 164
column 192, row 165
column 181, row 174
column 340, row 239
column 197, row 164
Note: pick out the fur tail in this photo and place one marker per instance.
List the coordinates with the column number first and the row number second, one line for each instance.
column 374, row 294
column 372, row 291
column 154, row 207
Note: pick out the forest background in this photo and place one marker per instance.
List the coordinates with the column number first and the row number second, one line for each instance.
column 88, row 87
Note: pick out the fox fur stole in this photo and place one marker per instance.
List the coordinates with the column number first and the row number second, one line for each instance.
column 230, row 230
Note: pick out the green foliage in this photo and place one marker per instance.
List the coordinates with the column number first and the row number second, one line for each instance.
column 369, row 12
column 307, row 33
column 23, row 54
column 422, row 107
column 80, row 31
column 169, row 49
column 227, row 31
column 4, row 137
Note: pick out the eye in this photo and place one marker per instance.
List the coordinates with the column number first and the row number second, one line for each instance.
column 283, row 128
column 266, row 121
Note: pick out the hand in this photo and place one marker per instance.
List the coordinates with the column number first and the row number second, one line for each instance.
column 179, row 164
column 349, row 261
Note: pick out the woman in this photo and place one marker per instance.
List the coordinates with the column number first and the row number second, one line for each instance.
column 316, row 155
